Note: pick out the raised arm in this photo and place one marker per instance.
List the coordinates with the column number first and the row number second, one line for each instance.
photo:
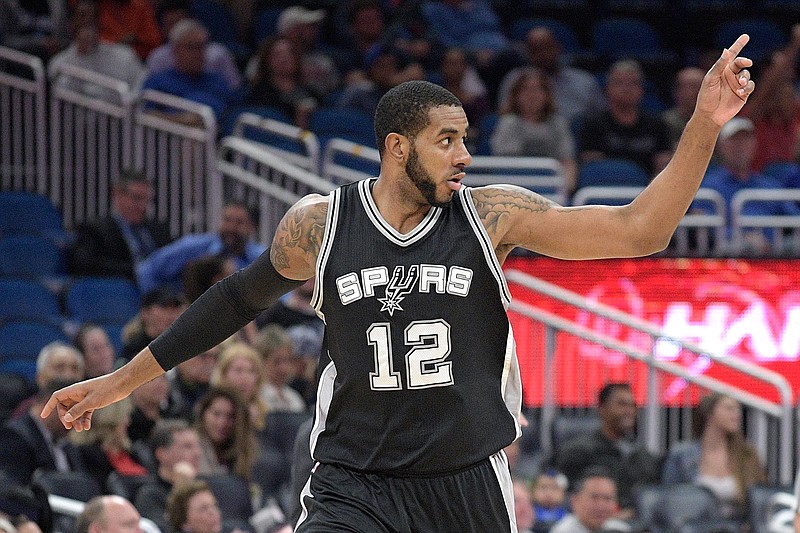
column 516, row 217
column 219, row 313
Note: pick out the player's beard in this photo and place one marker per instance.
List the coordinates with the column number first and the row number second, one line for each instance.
column 423, row 181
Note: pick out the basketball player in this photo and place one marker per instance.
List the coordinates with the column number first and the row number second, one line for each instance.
column 422, row 391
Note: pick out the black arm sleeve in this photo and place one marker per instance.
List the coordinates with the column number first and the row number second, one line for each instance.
column 221, row 311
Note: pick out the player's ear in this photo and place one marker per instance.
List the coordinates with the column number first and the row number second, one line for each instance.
column 397, row 147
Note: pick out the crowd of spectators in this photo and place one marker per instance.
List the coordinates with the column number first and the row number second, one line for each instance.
column 210, row 416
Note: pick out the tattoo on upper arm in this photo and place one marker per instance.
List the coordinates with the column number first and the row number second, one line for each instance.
column 302, row 228
column 496, row 204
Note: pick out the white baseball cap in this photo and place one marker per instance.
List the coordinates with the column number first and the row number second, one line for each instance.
column 734, row 126
column 294, row 15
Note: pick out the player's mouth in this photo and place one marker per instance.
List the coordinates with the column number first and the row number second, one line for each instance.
column 455, row 181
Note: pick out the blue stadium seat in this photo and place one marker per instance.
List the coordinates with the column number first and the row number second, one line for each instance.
column 787, row 172
column 612, row 173
column 265, row 23
column 26, row 299
column 616, row 38
column 221, row 25
column 28, row 212
column 349, row 124
column 102, row 300
column 29, row 256
column 765, row 34
column 485, row 130
column 20, row 343
column 562, row 31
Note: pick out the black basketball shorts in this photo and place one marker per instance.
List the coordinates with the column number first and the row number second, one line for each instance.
column 478, row 499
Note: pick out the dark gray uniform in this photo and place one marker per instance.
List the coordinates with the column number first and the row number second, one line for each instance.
column 422, row 391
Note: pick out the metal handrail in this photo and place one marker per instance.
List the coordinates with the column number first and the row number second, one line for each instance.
column 308, row 140
column 782, row 411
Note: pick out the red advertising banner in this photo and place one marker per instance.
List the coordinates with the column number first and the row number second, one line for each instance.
column 748, row 309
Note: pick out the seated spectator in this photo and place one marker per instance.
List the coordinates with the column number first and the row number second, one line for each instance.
column 37, row 27
column 106, row 448
column 460, row 78
column 625, row 130
column 108, row 514
column 684, row 94
column 278, row 81
column 27, row 508
column 176, row 448
column 226, row 434
column 193, row 508
column 275, row 346
column 188, row 78
column 775, row 109
column 383, row 71
column 29, row 443
column 360, row 26
column 612, row 446
column 234, row 239
column 56, row 360
column 576, row 91
column 98, row 352
column 150, row 404
column 736, row 149
column 190, row 381
column 301, row 26
column 199, row 275
column 523, row 507
column 114, row 244
column 593, row 503
column 158, row 309
column 718, row 458
column 530, row 126
column 240, row 367
column 87, row 51
column 549, row 498
column 217, row 58
column 131, row 22
column 294, row 309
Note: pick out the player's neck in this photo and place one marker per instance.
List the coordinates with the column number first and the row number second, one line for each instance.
column 396, row 205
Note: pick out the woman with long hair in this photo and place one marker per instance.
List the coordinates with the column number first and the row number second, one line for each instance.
column 530, row 126
column 718, row 458
column 226, row 434
column 240, row 367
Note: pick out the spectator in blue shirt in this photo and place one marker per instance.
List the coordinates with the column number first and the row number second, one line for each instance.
column 736, row 148
column 233, row 240
column 187, row 79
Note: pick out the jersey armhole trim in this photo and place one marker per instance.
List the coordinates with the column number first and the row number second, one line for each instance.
column 325, row 249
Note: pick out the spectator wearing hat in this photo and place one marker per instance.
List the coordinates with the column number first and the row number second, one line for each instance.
column 217, row 58
column 114, row 244
column 736, row 148
column 157, row 310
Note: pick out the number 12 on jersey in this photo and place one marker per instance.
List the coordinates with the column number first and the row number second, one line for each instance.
column 426, row 364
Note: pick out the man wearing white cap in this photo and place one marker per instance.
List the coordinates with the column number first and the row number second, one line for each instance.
column 736, row 148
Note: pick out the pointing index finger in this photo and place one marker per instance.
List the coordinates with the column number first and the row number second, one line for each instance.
column 737, row 46
column 49, row 406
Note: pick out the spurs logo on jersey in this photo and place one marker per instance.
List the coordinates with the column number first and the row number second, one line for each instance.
column 423, row 278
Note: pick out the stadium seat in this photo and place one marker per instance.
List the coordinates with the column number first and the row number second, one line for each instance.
column 765, row 36
column 562, row 31
column 615, row 38
column 126, row 486
column 787, row 172
column 103, row 300
column 27, row 212
column 233, row 496
column 13, row 389
column 265, row 23
column 230, row 116
column 221, row 25
column 24, row 339
column 271, row 471
column 485, row 130
column 74, row 485
column 348, row 124
column 683, row 503
column 759, row 499
column 280, row 430
column 612, row 173
column 29, row 256
column 567, row 427
column 27, row 299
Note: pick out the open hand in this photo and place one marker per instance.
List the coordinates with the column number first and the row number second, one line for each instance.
column 727, row 84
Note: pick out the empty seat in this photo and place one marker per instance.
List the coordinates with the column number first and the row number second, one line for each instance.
column 75, row 485
column 24, row 338
column 349, row 124
column 104, row 300
column 29, row 256
column 612, row 172
column 27, row 299
column 28, row 212
column 683, row 503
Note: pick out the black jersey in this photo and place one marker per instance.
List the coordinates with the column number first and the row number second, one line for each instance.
column 423, row 377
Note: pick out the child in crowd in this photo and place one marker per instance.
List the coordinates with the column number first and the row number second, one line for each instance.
column 549, row 498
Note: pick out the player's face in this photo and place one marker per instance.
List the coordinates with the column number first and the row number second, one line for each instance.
column 438, row 156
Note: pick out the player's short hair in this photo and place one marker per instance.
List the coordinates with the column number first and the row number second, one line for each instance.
column 404, row 109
